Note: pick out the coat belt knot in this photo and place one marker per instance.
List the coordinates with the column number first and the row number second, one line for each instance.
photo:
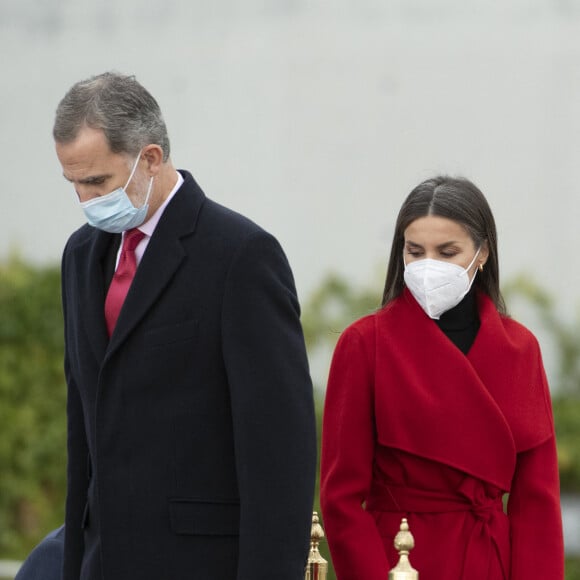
column 470, row 497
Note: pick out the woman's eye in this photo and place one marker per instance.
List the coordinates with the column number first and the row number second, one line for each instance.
column 449, row 254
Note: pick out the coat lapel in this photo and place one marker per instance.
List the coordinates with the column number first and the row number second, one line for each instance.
column 433, row 399
column 90, row 259
column 508, row 361
column 163, row 257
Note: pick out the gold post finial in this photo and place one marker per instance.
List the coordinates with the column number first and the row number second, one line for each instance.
column 316, row 566
column 404, row 543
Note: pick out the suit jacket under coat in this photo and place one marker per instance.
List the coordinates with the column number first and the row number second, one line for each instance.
column 414, row 428
column 191, row 433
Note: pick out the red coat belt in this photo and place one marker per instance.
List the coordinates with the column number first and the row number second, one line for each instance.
column 470, row 497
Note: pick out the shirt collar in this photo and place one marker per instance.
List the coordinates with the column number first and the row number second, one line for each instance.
column 149, row 226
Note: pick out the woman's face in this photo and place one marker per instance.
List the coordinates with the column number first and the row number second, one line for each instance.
column 442, row 239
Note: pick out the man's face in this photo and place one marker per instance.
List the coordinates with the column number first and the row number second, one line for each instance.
column 93, row 169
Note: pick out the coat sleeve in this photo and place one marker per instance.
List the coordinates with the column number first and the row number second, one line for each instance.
column 348, row 444
column 77, row 466
column 77, row 484
column 45, row 561
column 272, row 411
column 534, row 509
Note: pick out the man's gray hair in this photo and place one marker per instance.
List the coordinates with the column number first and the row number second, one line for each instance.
column 126, row 112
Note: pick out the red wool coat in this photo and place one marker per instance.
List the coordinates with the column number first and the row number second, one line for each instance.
column 414, row 428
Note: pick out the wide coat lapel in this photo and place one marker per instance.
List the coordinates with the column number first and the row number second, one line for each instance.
column 433, row 399
column 162, row 258
column 507, row 359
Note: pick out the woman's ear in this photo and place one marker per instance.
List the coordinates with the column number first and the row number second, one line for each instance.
column 483, row 254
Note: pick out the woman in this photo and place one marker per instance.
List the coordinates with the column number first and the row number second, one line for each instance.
column 437, row 407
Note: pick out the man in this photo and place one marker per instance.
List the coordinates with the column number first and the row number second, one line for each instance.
column 191, row 433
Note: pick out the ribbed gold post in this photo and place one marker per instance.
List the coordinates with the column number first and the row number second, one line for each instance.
column 404, row 543
column 317, row 566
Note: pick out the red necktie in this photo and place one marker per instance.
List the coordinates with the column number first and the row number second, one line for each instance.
column 122, row 278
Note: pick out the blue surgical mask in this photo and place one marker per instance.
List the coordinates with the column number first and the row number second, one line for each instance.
column 114, row 212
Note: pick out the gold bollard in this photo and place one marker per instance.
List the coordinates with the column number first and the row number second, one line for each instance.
column 317, row 566
column 404, row 543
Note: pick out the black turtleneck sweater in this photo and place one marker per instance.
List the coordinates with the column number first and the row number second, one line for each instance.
column 461, row 323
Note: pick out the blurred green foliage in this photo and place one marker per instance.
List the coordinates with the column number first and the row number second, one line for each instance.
column 33, row 394
column 32, row 406
column 565, row 334
column 331, row 308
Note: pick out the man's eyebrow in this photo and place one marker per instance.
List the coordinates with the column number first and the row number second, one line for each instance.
column 91, row 179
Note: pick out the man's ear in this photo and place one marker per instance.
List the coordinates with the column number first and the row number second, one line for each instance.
column 153, row 154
